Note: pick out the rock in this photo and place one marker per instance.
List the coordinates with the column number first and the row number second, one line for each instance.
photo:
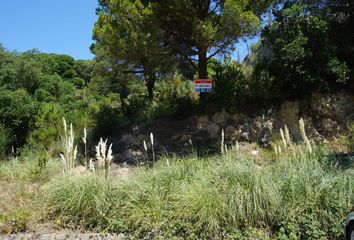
column 246, row 136
column 202, row 121
column 213, row 130
column 128, row 139
column 332, row 106
column 235, row 117
column 324, row 115
column 230, row 133
column 129, row 155
column 311, row 131
column 221, row 117
column 255, row 152
column 135, row 130
column 289, row 116
column 330, row 126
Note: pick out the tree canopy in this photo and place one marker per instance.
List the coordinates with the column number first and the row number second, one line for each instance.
column 199, row 30
column 126, row 33
column 151, row 35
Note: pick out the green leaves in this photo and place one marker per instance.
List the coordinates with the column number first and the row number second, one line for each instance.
column 127, row 32
column 17, row 112
column 305, row 57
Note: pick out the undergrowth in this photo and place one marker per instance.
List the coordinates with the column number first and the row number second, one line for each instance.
column 229, row 197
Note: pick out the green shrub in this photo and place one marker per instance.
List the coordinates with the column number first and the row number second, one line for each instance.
column 17, row 112
column 304, row 53
column 230, row 83
column 135, row 106
column 176, row 97
column 109, row 117
column 5, row 140
column 261, row 82
column 48, row 123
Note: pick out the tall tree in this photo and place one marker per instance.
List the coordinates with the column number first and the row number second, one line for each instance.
column 198, row 30
column 126, row 33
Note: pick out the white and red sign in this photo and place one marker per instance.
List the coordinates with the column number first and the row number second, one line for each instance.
column 203, row 85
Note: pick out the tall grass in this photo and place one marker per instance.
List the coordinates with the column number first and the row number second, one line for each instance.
column 28, row 171
column 85, row 199
column 297, row 197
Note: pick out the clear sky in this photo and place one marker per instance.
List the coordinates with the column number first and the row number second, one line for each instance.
column 55, row 26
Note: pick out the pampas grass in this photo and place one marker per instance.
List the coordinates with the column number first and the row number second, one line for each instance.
column 84, row 141
column 68, row 157
column 152, row 146
column 104, row 157
column 283, row 138
column 287, row 136
column 287, row 143
column 222, row 146
column 145, row 150
column 304, row 136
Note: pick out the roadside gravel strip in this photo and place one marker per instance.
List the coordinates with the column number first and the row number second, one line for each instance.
column 62, row 236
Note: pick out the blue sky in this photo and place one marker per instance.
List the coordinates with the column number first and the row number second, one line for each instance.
column 55, row 26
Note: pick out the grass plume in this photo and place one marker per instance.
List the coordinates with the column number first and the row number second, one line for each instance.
column 69, row 155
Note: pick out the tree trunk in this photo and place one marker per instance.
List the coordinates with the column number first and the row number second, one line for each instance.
column 150, row 84
column 202, row 69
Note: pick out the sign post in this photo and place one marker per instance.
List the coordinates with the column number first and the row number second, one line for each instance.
column 203, row 85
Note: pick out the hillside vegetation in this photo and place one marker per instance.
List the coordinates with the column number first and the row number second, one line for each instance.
column 147, row 54
column 303, row 192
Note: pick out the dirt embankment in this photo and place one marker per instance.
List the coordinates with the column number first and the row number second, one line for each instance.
column 325, row 115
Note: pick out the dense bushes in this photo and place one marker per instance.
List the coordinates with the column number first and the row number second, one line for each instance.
column 17, row 113
column 303, row 54
column 227, row 197
column 237, row 84
column 173, row 97
column 37, row 90
column 230, row 83
column 5, row 140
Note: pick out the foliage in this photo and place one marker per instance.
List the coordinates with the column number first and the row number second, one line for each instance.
column 5, row 140
column 17, row 112
column 126, row 31
column 206, row 28
column 174, row 97
column 294, row 198
column 37, row 90
column 230, row 83
column 304, row 56
column 48, row 120
column 109, row 117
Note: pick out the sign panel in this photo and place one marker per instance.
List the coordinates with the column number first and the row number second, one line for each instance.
column 203, row 85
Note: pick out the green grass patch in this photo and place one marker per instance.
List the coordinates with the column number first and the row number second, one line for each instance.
column 220, row 197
